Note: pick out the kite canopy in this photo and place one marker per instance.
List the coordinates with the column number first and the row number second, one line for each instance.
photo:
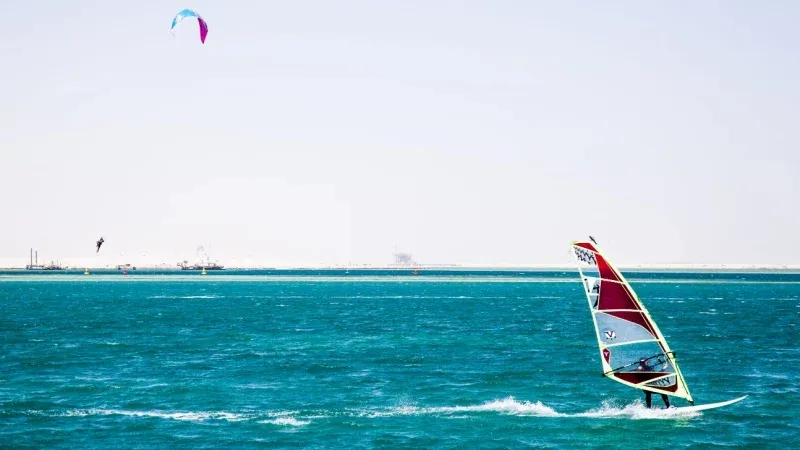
column 189, row 13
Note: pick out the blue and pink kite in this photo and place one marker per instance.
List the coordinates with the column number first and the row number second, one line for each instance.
column 189, row 13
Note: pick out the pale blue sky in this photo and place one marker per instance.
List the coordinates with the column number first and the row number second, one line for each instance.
column 489, row 132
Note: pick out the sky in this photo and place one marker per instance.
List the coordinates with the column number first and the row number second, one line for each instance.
column 463, row 132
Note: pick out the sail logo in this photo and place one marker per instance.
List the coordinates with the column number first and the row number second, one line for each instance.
column 611, row 334
column 585, row 256
column 663, row 382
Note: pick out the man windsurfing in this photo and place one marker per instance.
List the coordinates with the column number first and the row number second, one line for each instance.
column 99, row 243
column 644, row 366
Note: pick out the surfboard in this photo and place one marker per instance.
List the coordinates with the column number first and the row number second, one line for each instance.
column 707, row 406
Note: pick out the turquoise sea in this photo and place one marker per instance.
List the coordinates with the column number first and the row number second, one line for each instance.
column 366, row 359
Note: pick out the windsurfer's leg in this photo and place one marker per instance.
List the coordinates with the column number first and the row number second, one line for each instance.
column 647, row 398
column 666, row 400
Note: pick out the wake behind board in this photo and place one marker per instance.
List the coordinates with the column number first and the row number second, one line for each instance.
column 707, row 406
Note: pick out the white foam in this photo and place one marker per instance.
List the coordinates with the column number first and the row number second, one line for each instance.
column 183, row 416
column 507, row 406
column 286, row 421
column 636, row 410
column 511, row 406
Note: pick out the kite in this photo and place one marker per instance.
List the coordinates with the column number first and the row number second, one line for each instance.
column 189, row 13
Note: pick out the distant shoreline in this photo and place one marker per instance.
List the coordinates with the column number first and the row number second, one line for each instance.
column 456, row 268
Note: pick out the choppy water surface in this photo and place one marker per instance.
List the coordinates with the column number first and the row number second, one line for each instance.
column 144, row 361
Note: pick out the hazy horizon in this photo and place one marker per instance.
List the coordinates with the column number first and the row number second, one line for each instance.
column 462, row 132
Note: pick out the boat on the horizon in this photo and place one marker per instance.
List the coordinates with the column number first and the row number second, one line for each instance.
column 204, row 262
column 200, row 266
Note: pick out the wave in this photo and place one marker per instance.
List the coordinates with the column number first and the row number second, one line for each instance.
column 190, row 416
column 511, row 406
column 505, row 406
column 508, row 405
column 286, row 421
column 636, row 410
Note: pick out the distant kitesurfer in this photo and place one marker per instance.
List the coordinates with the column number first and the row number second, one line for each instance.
column 590, row 237
column 99, row 243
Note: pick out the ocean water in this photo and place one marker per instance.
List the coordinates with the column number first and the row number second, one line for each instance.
column 366, row 360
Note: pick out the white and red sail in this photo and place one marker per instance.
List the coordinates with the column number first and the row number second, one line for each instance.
column 632, row 349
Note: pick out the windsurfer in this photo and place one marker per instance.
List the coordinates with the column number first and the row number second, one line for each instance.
column 644, row 366
column 619, row 307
